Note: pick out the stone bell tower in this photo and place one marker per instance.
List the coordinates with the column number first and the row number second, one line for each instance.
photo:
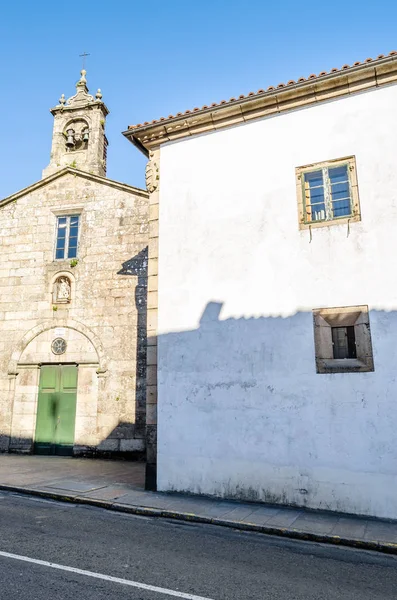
column 78, row 138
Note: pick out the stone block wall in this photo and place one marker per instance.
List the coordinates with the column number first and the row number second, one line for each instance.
column 104, row 323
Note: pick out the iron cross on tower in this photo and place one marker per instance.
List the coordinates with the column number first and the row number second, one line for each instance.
column 83, row 56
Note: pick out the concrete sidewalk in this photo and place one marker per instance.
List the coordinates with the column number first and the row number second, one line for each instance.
column 119, row 486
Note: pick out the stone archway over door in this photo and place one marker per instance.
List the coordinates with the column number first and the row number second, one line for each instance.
column 37, row 397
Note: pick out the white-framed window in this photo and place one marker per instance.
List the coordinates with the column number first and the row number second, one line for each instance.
column 328, row 193
column 67, row 236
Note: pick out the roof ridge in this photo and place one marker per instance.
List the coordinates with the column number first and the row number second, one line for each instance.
column 263, row 91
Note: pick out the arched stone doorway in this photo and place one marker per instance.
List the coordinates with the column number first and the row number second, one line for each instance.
column 52, row 365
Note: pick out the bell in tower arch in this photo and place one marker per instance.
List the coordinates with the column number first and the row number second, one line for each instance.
column 70, row 138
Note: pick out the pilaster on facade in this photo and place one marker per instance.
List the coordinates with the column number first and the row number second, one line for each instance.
column 152, row 184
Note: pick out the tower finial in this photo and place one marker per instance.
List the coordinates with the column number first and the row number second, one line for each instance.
column 83, row 79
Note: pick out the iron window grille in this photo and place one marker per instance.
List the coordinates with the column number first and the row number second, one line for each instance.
column 344, row 342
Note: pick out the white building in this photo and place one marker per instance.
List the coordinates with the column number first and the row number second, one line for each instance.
column 273, row 293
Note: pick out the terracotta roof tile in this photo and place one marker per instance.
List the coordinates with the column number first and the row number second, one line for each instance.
column 269, row 89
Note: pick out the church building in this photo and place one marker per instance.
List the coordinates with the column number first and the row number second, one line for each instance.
column 73, row 280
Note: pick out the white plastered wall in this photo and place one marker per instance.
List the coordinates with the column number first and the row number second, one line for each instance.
column 241, row 410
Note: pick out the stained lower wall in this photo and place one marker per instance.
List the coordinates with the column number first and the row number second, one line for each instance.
column 243, row 415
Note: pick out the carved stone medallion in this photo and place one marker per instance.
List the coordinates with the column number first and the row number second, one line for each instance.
column 59, row 346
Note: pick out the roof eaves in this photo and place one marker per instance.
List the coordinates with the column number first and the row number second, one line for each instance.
column 272, row 90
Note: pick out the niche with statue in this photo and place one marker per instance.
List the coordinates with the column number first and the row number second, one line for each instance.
column 62, row 290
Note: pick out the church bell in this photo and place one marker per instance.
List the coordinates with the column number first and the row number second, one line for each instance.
column 70, row 138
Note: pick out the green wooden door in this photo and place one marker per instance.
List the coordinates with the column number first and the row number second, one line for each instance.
column 56, row 410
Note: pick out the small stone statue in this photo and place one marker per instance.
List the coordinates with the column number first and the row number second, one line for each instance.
column 63, row 290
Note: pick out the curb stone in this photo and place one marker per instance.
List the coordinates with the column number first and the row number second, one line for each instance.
column 297, row 534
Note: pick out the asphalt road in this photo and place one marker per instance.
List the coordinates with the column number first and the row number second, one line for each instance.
column 187, row 559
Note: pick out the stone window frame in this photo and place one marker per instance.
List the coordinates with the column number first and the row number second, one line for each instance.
column 326, row 318
column 355, row 199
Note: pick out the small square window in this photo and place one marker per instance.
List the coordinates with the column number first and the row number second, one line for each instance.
column 327, row 193
column 67, row 237
column 342, row 340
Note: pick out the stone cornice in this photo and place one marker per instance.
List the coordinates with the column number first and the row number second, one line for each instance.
column 323, row 88
column 69, row 170
column 77, row 107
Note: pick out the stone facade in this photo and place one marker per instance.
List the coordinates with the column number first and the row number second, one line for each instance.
column 96, row 303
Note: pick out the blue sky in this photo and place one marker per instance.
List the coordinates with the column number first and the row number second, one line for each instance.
column 156, row 58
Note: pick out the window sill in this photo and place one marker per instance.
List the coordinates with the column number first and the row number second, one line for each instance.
column 342, row 221
column 66, row 261
column 344, row 365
